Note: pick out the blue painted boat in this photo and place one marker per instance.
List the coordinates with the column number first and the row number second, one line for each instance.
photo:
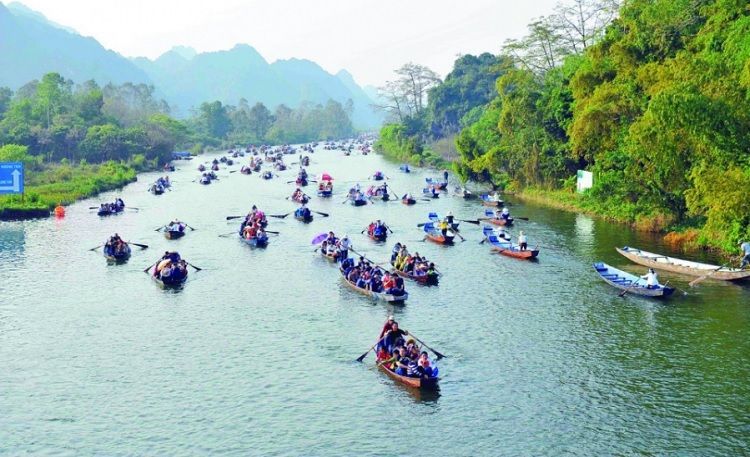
column 435, row 219
column 630, row 282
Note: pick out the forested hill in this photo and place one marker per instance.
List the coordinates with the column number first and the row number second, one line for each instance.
column 31, row 46
column 652, row 96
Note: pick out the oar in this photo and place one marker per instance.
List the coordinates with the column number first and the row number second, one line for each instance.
column 521, row 218
column 150, row 266
column 191, row 228
column 196, row 268
column 634, row 284
column 224, row 235
column 439, row 355
column 697, row 280
column 94, row 249
column 229, row 218
column 362, row 357
column 470, row 222
column 142, row 246
column 160, row 228
column 322, row 214
column 130, row 207
column 280, row 216
column 459, row 235
column 271, row 231
column 423, row 224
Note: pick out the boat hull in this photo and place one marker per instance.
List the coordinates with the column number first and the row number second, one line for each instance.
column 388, row 298
column 440, row 239
column 686, row 267
column 425, row 280
column 526, row 254
column 173, row 235
column 416, row 383
column 624, row 281
column 409, row 201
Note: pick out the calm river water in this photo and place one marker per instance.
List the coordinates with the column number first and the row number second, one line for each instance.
column 255, row 355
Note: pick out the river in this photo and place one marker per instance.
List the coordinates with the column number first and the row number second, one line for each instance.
column 255, row 355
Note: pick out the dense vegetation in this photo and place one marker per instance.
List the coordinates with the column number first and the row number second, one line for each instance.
column 422, row 132
column 656, row 104
column 77, row 140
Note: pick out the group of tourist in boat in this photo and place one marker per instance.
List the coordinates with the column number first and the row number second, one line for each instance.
column 106, row 209
column 300, row 197
column 378, row 192
column 413, row 265
column 356, row 197
column 254, row 225
column 378, row 230
column 401, row 354
column 116, row 247
column 336, row 248
column 171, row 268
column 365, row 275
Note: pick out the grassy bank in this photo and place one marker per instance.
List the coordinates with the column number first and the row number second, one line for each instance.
column 685, row 237
column 51, row 185
column 395, row 144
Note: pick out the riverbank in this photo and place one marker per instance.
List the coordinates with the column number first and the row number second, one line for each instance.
column 62, row 184
column 684, row 238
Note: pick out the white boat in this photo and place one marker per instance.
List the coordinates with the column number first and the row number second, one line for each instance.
column 663, row 262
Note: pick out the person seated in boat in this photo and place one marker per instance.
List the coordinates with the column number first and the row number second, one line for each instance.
column 398, row 288
column 389, row 282
column 353, row 275
column 745, row 252
column 424, row 367
column 502, row 234
column 522, row 241
column 119, row 203
column 347, row 265
column 652, row 281
column 389, row 362
column 504, row 214
column 250, row 231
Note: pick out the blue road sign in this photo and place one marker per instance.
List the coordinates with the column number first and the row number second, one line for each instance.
column 11, row 178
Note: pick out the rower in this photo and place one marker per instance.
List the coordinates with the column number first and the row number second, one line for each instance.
column 344, row 246
column 652, row 281
column 745, row 248
column 449, row 218
column 522, row 242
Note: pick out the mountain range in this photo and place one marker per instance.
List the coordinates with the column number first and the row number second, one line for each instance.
column 31, row 45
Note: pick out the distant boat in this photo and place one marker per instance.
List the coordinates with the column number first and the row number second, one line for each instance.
column 631, row 283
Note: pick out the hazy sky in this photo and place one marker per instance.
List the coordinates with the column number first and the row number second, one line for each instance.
column 370, row 38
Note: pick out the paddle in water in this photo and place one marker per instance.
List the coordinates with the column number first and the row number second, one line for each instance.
column 94, row 249
column 280, row 216
column 697, row 280
column 229, row 218
column 439, row 355
column 142, row 246
column 322, row 214
column 196, row 268
column 362, row 357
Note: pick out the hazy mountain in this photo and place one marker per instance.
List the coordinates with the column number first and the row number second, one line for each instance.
column 31, row 45
column 241, row 72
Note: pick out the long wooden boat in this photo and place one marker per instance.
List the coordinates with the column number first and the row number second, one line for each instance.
column 489, row 201
column 507, row 248
column 425, row 280
column 325, row 193
column 112, row 209
column 330, row 257
column 436, row 236
column 378, row 237
column 256, row 242
column 498, row 221
column 630, row 282
column 120, row 257
column 421, row 383
column 166, row 283
column 306, row 219
column 666, row 263
column 408, row 201
column 173, row 234
column 388, row 298
column 361, row 202
column 440, row 185
column 434, row 218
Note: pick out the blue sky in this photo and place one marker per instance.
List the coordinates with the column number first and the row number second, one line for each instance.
column 370, row 38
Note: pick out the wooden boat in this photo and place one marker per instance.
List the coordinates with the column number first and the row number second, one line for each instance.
column 355, row 202
column 267, row 175
column 421, row 383
column 430, row 192
column 425, row 280
column 300, row 181
column 408, row 201
column 499, row 221
column 168, row 167
column 201, row 167
column 380, row 196
column 436, row 236
column 434, row 218
column 630, row 282
column 379, row 237
column 245, row 170
column 119, row 257
column 388, row 298
column 330, row 257
column 301, row 199
column 325, row 193
column 465, row 194
column 489, row 201
column 256, row 242
column 405, row 168
column 214, row 167
column 306, row 218
column 508, row 248
column 378, row 176
column 662, row 262
column 230, row 162
column 205, row 180
column 110, row 210
column 173, row 234
column 439, row 185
